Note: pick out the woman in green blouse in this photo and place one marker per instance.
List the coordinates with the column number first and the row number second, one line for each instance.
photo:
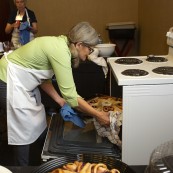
column 33, row 65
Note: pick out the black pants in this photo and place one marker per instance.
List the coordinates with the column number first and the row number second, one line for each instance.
column 3, row 94
column 3, row 118
column 21, row 152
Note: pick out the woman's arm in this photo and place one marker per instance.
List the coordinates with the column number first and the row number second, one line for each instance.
column 102, row 117
column 34, row 28
column 9, row 27
column 50, row 90
column 83, row 106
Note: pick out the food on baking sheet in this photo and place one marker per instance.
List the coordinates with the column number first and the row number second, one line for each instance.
column 106, row 103
column 108, row 108
column 81, row 167
column 114, row 106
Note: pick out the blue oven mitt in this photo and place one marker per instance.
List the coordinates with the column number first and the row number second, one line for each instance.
column 68, row 114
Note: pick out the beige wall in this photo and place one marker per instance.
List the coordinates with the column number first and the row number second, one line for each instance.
column 57, row 16
column 155, row 19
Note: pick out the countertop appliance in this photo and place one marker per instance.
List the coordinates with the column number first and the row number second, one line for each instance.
column 147, row 91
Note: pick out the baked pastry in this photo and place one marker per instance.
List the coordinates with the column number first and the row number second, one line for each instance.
column 113, row 105
column 70, row 166
column 108, row 108
column 80, row 167
column 106, row 103
column 100, row 168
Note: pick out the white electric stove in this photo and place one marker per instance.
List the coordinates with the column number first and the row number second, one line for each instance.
column 147, row 91
column 141, row 68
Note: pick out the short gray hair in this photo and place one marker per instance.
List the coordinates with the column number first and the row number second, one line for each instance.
column 23, row 0
column 83, row 32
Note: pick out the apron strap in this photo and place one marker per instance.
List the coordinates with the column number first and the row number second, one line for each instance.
column 27, row 16
column 5, row 55
column 28, row 19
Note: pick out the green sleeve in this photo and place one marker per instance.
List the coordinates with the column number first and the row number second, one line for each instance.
column 60, row 60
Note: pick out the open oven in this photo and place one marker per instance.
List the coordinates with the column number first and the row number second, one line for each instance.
column 65, row 138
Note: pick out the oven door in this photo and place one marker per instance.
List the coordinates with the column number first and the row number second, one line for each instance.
column 65, row 138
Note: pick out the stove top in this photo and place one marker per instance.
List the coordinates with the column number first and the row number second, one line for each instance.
column 141, row 70
column 152, row 58
column 128, row 61
column 134, row 72
column 166, row 70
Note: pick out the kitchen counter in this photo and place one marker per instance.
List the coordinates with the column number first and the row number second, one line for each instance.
column 29, row 169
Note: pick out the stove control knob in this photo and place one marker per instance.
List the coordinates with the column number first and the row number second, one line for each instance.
column 150, row 56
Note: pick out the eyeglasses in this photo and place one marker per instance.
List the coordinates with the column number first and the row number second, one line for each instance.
column 91, row 50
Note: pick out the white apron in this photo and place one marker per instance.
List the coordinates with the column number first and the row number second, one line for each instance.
column 26, row 118
column 16, row 33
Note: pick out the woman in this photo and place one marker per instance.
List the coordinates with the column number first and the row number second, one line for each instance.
column 32, row 65
column 22, row 23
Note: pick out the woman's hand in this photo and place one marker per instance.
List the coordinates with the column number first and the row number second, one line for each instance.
column 103, row 119
column 16, row 24
column 34, row 28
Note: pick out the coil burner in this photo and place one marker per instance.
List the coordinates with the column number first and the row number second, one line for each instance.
column 135, row 72
column 152, row 58
column 166, row 70
column 128, row 61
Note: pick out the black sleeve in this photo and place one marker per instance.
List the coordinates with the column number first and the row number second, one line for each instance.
column 12, row 17
column 32, row 16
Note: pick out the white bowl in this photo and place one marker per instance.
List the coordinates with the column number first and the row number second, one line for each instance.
column 4, row 170
column 105, row 49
